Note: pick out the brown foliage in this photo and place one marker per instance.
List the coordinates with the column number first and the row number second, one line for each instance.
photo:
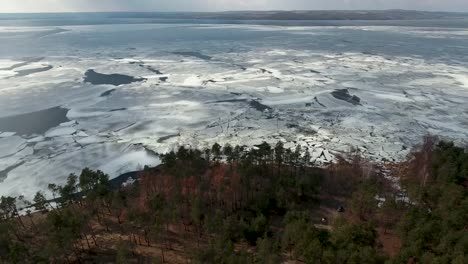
column 344, row 175
column 421, row 161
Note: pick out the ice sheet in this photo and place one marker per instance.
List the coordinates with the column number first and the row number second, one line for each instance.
column 257, row 83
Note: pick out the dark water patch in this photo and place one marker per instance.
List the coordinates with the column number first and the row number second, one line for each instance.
column 369, row 53
column 36, row 122
column 4, row 173
column 192, row 54
column 318, row 102
column 242, row 67
column 343, row 94
column 50, row 32
column 259, row 106
column 22, row 73
column 21, row 64
column 215, row 124
column 252, row 103
column 117, row 182
column 118, row 109
column 14, row 66
column 163, row 79
column 265, row 71
column 125, row 127
column 228, row 101
column 147, row 67
column 306, row 131
column 208, row 81
column 112, row 79
column 165, row 138
column 151, row 69
column 107, row 93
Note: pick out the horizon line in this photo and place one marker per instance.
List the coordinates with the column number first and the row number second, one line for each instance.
column 239, row 11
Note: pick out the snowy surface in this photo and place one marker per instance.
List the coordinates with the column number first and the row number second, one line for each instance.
column 234, row 84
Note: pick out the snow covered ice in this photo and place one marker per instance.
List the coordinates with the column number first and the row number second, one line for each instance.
column 328, row 89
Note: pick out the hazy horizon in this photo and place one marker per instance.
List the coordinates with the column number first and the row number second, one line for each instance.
column 78, row 6
column 240, row 11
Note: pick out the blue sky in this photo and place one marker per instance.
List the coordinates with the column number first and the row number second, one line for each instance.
column 12, row 6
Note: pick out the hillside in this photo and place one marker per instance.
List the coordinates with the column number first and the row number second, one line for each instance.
column 301, row 15
column 261, row 205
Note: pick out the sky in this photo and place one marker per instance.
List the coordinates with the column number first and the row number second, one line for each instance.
column 28, row 6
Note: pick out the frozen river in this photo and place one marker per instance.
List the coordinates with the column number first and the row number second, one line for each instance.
column 109, row 96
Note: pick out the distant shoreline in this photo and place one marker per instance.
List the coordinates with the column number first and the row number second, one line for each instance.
column 287, row 19
column 253, row 15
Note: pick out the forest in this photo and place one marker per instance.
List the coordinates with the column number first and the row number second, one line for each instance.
column 265, row 204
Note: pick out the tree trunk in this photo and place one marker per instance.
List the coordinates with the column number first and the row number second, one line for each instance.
column 32, row 222
column 139, row 240
column 162, row 254
column 81, row 243
column 107, row 225
column 147, row 238
column 118, row 218
column 87, row 241
column 108, row 208
column 93, row 236
column 78, row 258
column 98, row 217
column 53, row 208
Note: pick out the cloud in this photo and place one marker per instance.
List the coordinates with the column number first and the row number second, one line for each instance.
column 222, row 5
